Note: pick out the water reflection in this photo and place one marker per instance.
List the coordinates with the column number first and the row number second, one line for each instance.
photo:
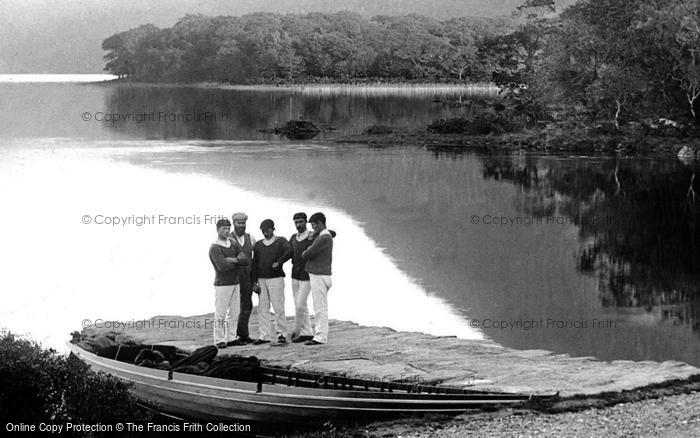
column 418, row 206
column 239, row 114
column 173, row 112
column 622, row 246
column 119, row 270
column 637, row 222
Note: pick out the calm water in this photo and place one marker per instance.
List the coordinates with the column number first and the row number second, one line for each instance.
column 580, row 255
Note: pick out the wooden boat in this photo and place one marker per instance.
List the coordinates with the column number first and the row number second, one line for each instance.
column 288, row 397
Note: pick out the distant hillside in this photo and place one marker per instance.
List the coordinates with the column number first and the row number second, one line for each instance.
column 64, row 36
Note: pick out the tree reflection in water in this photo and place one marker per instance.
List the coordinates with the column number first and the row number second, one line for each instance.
column 637, row 224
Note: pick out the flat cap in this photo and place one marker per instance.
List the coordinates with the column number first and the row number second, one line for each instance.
column 318, row 217
column 222, row 223
column 240, row 217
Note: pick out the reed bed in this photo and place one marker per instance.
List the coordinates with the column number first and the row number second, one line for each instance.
column 379, row 89
column 370, row 89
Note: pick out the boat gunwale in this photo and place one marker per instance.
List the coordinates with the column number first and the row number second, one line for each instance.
column 225, row 385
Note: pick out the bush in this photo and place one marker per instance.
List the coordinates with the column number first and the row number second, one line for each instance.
column 41, row 385
column 379, row 130
column 482, row 124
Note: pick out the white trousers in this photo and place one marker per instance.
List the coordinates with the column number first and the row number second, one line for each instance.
column 302, row 322
column 271, row 292
column 319, row 293
column 227, row 302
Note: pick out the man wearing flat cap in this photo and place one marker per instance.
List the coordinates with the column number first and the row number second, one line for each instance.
column 246, row 242
column 269, row 255
column 227, row 259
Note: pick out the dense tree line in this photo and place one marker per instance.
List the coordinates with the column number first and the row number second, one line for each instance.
column 618, row 60
column 269, row 48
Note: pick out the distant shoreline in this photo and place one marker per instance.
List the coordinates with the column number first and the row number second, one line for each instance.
column 486, row 88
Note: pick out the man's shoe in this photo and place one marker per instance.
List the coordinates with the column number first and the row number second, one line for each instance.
column 281, row 340
column 303, row 338
column 235, row 343
column 247, row 340
column 313, row 342
column 260, row 342
column 221, row 345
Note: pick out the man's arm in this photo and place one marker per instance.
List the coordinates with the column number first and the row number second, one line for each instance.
column 222, row 263
column 287, row 251
column 241, row 259
column 320, row 242
column 254, row 267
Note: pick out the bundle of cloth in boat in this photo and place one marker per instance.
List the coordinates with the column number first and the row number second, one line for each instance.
column 152, row 359
column 236, row 368
column 100, row 342
column 204, row 362
column 197, row 362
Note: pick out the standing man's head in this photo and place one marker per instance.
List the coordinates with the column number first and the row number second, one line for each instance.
column 239, row 220
column 318, row 222
column 268, row 228
column 223, row 228
column 300, row 222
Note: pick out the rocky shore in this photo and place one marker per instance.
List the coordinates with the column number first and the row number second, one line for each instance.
column 671, row 416
column 530, row 142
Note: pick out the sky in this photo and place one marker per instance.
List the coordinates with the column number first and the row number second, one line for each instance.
column 65, row 36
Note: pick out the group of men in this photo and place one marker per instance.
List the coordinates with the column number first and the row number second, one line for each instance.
column 244, row 266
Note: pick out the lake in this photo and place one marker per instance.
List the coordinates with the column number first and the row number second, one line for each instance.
column 109, row 215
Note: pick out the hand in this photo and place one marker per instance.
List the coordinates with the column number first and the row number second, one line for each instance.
column 275, row 265
column 256, row 288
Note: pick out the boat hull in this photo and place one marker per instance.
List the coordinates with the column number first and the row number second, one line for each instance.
column 201, row 397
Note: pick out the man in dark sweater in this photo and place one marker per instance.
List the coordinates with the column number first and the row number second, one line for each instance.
column 269, row 255
column 301, row 286
column 246, row 242
column 319, row 257
column 227, row 258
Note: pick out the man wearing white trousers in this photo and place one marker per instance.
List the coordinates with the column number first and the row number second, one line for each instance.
column 269, row 255
column 301, row 286
column 227, row 258
column 319, row 257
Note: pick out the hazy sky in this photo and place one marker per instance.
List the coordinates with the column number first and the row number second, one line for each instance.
column 65, row 36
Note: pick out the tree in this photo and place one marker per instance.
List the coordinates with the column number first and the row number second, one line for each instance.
column 122, row 57
column 675, row 28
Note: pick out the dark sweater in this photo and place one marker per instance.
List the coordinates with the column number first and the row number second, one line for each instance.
column 247, row 249
column 319, row 256
column 264, row 256
column 299, row 265
column 227, row 272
